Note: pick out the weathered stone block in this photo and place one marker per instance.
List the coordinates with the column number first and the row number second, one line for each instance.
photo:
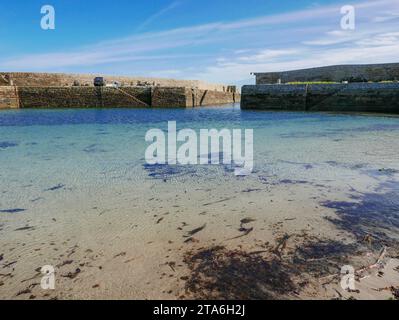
column 8, row 97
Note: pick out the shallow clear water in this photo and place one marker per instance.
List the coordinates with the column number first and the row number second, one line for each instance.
column 80, row 174
column 86, row 149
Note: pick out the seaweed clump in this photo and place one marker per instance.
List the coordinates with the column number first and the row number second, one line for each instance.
column 218, row 273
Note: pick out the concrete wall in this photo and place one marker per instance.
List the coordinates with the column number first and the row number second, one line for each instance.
column 352, row 97
column 30, row 79
column 351, row 73
column 95, row 97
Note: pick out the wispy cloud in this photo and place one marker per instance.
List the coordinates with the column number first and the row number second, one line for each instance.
column 380, row 40
column 334, row 37
column 229, row 51
column 159, row 14
column 387, row 16
column 267, row 54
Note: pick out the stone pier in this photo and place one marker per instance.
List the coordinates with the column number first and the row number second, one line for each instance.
column 59, row 90
column 346, row 88
column 108, row 97
column 350, row 97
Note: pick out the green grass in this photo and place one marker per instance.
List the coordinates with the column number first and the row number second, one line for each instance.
column 330, row 82
column 312, row 82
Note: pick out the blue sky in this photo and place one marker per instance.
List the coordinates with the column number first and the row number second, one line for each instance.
column 217, row 41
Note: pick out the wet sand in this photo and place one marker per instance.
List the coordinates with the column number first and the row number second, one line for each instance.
column 256, row 241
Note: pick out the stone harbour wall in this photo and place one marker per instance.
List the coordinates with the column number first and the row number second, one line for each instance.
column 82, row 97
column 168, row 97
column 108, row 97
column 351, row 97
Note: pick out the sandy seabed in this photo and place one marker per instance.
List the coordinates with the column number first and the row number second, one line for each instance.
column 119, row 229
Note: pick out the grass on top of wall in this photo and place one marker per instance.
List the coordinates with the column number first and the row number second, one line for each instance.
column 331, row 82
column 311, row 82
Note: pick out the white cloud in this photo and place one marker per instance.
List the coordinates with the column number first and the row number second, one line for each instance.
column 334, row 37
column 268, row 54
column 306, row 59
column 386, row 16
column 385, row 39
column 229, row 51
column 124, row 48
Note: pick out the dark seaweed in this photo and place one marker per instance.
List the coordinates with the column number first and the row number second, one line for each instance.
column 7, row 144
column 12, row 210
column 387, row 172
column 57, row 187
column 166, row 171
column 25, row 228
column 289, row 181
column 94, row 148
column 250, row 190
column 323, row 257
column 196, row 230
column 217, row 273
column 375, row 214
